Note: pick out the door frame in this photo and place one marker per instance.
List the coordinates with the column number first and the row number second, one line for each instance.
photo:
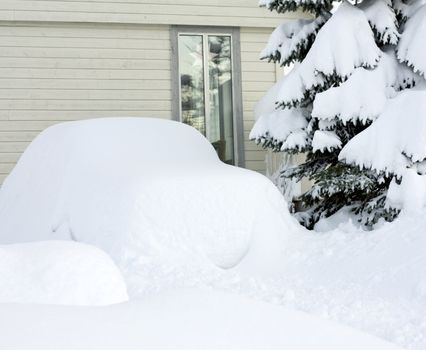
column 238, row 122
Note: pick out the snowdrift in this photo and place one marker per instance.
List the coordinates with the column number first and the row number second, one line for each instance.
column 142, row 189
column 65, row 273
column 190, row 320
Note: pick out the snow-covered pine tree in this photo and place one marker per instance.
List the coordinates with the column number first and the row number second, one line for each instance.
column 350, row 67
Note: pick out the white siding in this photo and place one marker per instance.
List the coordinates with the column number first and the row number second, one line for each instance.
column 257, row 78
column 237, row 13
column 52, row 73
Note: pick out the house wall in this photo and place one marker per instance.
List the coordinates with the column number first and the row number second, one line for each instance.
column 257, row 77
column 56, row 72
column 70, row 69
column 238, row 13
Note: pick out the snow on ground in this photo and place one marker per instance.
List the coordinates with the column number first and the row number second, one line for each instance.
column 189, row 319
column 172, row 216
column 372, row 281
column 65, row 273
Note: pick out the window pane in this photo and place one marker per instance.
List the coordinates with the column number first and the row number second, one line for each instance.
column 192, row 81
column 220, row 122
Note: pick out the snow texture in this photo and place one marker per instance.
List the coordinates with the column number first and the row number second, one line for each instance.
column 374, row 281
column 120, row 189
column 352, row 46
column 396, row 140
column 279, row 126
column 411, row 48
column 188, row 319
column 111, row 183
column 410, row 194
column 364, row 95
column 382, row 19
column 65, row 273
column 283, row 128
column 325, row 140
column 290, row 39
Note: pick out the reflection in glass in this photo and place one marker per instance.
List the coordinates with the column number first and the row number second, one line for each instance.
column 192, row 81
column 205, row 66
column 220, row 130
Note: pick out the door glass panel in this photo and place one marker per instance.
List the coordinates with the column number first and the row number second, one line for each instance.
column 205, row 66
column 191, row 66
column 220, row 116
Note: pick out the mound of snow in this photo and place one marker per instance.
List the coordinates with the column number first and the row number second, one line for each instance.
column 55, row 272
column 374, row 281
column 142, row 189
column 177, row 320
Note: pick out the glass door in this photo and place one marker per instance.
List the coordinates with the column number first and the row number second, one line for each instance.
column 206, row 89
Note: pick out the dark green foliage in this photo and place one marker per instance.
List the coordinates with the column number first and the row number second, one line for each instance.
column 371, row 210
column 282, row 6
column 337, row 185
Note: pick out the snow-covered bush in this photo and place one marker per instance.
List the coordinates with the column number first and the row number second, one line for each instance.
column 351, row 103
column 109, row 182
column 55, row 272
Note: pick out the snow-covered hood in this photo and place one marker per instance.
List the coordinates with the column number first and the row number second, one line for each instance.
column 138, row 187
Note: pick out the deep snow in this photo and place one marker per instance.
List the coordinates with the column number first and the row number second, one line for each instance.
column 190, row 320
column 65, row 273
column 172, row 216
column 374, row 281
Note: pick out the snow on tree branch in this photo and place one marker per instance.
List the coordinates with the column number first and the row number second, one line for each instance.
column 325, row 140
column 343, row 44
column 291, row 41
column 411, row 49
column 281, row 6
column 273, row 130
column 347, row 84
column 382, row 19
column 396, row 140
column 364, row 95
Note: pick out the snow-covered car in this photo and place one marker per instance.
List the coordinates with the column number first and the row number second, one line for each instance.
column 142, row 188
